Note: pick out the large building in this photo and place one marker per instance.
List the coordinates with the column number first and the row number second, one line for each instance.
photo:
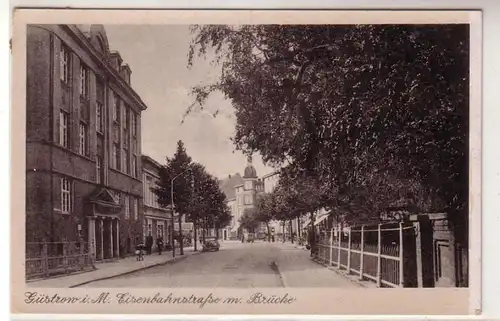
column 83, row 142
column 242, row 193
column 227, row 185
column 246, row 193
column 157, row 220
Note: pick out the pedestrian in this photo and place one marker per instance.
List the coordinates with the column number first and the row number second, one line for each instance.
column 159, row 244
column 139, row 252
column 149, row 243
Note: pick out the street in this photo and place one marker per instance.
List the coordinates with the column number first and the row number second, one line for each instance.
column 236, row 265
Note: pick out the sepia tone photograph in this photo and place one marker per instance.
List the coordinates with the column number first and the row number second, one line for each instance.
column 247, row 156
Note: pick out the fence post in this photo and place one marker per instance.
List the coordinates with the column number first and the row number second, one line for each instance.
column 361, row 254
column 401, row 263
column 339, row 238
column 418, row 245
column 81, row 258
column 349, row 252
column 379, row 253
column 331, row 246
column 45, row 259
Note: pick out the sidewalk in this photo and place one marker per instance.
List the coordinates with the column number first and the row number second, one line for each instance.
column 297, row 269
column 108, row 270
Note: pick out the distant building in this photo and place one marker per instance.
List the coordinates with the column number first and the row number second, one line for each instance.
column 227, row 185
column 242, row 194
column 270, row 181
column 157, row 220
column 83, row 142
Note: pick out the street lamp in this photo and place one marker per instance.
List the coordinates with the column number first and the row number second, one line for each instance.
column 172, row 216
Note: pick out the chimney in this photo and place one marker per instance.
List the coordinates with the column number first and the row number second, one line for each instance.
column 116, row 60
column 125, row 72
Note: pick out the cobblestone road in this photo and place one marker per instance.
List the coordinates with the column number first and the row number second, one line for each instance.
column 236, row 265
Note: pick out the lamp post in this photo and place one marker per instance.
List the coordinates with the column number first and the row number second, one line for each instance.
column 172, row 216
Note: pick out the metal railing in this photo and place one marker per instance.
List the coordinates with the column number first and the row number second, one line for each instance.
column 372, row 252
column 44, row 259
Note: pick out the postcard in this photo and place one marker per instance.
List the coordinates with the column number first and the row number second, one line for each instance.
column 246, row 162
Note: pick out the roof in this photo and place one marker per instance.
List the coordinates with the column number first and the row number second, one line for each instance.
column 228, row 184
column 271, row 174
column 146, row 158
column 250, row 172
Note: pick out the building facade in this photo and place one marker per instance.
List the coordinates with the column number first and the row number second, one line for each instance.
column 157, row 220
column 242, row 193
column 83, row 142
column 270, row 181
column 227, row 185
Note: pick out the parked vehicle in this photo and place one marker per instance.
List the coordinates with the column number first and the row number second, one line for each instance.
column 211, row 245
column 250, row 238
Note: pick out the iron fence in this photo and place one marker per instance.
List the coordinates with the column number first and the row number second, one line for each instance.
column 372, row 252
column 45, row 259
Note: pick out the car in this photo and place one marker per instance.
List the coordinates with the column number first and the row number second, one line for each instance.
column 250, row 238
column 211, row 245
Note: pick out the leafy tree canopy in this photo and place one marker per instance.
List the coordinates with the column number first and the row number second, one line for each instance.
column 361, row 109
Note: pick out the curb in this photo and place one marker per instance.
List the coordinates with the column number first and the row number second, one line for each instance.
column 282, row 277
column 173, row 260
column 344, row 274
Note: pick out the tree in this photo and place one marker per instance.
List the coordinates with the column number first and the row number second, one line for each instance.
column 208, row 204
column 265, row 212
column 176, row 168
column 354, row 106
column 249, row 220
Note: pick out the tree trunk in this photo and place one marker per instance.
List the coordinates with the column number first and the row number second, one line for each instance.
column 291, row 231
column 283, row 231
column 298, row 227
column 181, row 238
column 268, row 232
column 313, row 236
column 203, row 231
column 216, row 232
column 195, row 228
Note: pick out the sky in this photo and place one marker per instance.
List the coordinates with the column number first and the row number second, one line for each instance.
column 157, row 56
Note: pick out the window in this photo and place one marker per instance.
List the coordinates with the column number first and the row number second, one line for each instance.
column 134, row 124
column 66, row 196
column 64, row 65
column 116, row 108
column 248, row 185
column 135, row 208
column 125, row 117
column 150, row 227
column 84, row 81
column 126, row 161
column 127, row 206
column 148, row 192
column 154, row 196
column 134, row 166
column 248, row 200
column 98, row 167
column 83, row 139
column 115, row 157
column 159, row 230
column 99, row 122
column 63, row 129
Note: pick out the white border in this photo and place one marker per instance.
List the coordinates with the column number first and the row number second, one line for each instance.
column 491, row 95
